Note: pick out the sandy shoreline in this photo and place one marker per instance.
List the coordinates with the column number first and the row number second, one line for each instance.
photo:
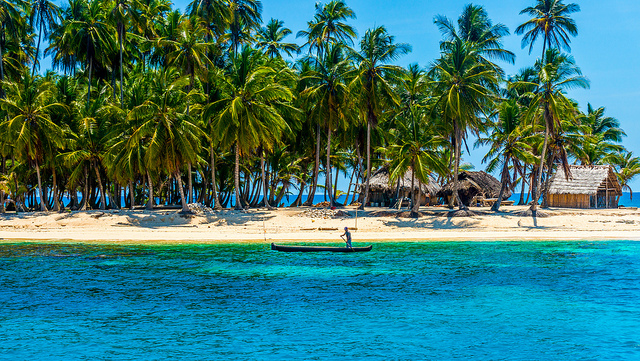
column 311, row 225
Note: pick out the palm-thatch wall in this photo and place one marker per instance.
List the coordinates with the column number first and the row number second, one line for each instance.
column 588, row 186
column 382, row 192
column 473, row 184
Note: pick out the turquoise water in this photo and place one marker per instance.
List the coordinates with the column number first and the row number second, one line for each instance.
column 401, row 301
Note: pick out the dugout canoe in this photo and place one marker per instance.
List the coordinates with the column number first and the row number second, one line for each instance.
column 281, row 248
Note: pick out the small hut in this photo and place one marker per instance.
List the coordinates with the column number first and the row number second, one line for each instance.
column 384, row 193
column 588, row 186
column 473, row 185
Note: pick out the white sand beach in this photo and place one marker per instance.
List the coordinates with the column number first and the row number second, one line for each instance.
column 314, row 225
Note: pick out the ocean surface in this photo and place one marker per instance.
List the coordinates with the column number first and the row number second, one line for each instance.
column 401, row 301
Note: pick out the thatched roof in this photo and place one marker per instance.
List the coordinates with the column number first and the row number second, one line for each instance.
column 584, row 179
column 379, row 182
column 476, row 183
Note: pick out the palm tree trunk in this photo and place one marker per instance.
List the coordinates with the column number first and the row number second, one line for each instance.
column 89, row 88
column 298, row 200
column 415, row 211
column 366, row 187
column 456, row 167
column 43, row 207
column 150, row 202
column 265, row 201
column 56, row 202
column 547, row 181
column 132, row 196
column 523, row 183
column 121, row 30
column 503, row 186
column 37, row 53
column 190, row 183
column 328, row 169
column 216, row 199
column 103, row 198
column 316, row 170
column 335, row 185
column 346, row 199
column 536, row 190
column 183, row 200
column 85, row 193
column 236, row 178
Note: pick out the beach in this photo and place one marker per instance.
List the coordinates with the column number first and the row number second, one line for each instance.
column 308, row 225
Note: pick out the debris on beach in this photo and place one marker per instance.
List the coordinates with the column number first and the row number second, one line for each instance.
column 324, row 204
column 199, row 208
column 324, row 213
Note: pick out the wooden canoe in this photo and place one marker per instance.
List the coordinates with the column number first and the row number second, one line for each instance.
column 281, row 248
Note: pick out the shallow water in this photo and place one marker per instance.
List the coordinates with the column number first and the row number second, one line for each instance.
column 401, row 301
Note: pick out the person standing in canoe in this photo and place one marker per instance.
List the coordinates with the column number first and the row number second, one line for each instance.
column 348, row 234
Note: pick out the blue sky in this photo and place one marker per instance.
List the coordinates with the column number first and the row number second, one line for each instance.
column 607, row 47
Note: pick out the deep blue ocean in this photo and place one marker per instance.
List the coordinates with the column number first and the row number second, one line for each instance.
column 401, row 301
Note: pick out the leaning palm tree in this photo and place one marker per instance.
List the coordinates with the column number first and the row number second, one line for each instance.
column 246, row 116
column 29, row 124
column 555, row 73
column 550, row 19
column 463, row 90
column 377, row 51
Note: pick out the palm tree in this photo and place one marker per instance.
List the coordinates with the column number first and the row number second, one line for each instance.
column 270, row 40
column 377, row 50
column 509, row 146
column 89, row 139
column 246, row 116
column 92, row 33
column 174, row 138
column 245, row 15
column 551, row 20
column 330, row 94
column 29, row 124
column 627, row 167
column 327, row 27
column 11, row 15
column 463, row 89
column 599, row 124
column 416, row 144
column 187, row 51
column 555, row 73
column 46, row 14
column 120, row 14
column 475, row 28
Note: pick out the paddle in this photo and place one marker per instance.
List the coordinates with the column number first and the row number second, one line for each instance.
column 345, row 241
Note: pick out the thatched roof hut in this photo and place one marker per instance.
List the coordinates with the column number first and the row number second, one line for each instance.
column 384, row 191
column 588, row 186
column 380, row 182
column 472, row 184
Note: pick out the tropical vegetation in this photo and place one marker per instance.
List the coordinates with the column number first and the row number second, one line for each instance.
column 146, row 105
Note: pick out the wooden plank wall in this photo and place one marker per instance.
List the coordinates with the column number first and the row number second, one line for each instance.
column 569, row 200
